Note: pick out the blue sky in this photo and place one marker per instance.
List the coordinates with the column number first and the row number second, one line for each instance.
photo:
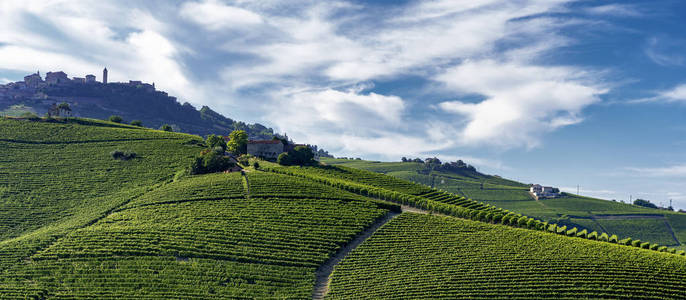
column 564, row 93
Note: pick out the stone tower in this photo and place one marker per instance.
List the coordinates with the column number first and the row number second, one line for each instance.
column 104, row 76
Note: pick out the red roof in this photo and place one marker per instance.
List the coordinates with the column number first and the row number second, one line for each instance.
column 265, row 142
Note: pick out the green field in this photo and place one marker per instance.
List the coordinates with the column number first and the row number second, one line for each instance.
column 76, row 223
column 421, row 256
column 571, row 210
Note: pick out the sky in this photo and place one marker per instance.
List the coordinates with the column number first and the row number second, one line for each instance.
column 557, row 92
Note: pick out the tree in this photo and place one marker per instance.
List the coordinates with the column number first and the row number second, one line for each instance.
column 215, row 141
column 138, row 123
column 166, row 127
column 64, row 107
column 644, row 203
column 403, row 159
column 116, row 119
column 238, row 142
column 300, row 155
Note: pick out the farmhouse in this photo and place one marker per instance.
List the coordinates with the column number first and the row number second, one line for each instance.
column 538, row 191
column 268, row 149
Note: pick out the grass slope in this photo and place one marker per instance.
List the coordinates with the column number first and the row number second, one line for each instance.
column 423, row 256
column 571, row 210
column 79, row 224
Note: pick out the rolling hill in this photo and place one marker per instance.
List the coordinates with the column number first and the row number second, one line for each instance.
column 76, row 223
column 661, row 226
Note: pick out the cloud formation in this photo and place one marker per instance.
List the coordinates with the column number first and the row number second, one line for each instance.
column 296, row 65
column 522, row 102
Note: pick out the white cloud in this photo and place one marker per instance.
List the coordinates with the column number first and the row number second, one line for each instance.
column 665, row 51
column 521, row 103
column 675, row 94
column 678, row 93
column 217, row 16
column 82, row 38
column 614, row 10
column 678, row 170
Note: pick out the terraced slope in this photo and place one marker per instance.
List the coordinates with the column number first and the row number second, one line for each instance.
column 422, row 256
column 56, row 177
column 570, row 210
column 202, row 237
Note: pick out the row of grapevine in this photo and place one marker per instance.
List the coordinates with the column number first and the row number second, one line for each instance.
column 200, row 237
column 452, row 205
column 417, row 256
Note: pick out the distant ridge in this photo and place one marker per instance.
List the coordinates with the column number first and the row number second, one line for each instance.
column 133, row 100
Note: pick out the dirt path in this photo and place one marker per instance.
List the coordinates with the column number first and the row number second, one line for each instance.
column 321, row 285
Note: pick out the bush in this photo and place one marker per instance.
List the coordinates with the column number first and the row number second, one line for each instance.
column 614, row 239
column 166, row 127
column 256, row 165
column 636, row 243
column 582, row 234
column 116, row 119
column 592, row 236
column 626, row 241
column 572, row 232
column 662, row 249
column 123, row 155
column 215, row 141
column 300, row 155
column 562, row 230
column 645, row 245
column 138, row 123
column 681, row 252
column 210, row 161
column 604, row 237
column 244, row 159
column 552, row 228
column 655, row 247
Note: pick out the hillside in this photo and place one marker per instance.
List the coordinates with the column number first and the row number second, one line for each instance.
column 131, row 101
column 660, row 226
column 77, row 223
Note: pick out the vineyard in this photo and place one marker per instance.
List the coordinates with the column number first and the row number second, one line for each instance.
column 423, row 256
column 571, row 210
column 77, row 223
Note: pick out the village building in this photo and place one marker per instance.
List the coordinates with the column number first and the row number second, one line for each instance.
column 33, row 80
column 78, row 80
column 538, row 191
column 267, row 149
column 90, row 78
column 56, row 77
column 104, row 76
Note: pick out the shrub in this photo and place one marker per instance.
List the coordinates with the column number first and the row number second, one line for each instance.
column 552, row 228
column 123, row 155
column 681, row 252
column 531, row 223
column 215, row 141
column 582, row 234
column 138, row 123
column 614, row 239
column 166, row 127
column 497, row 218
column 284, row 159
column 604, row 237
column 210, row 161
column 572, row 232
column 645, row 245
column 562, row 230
column 592, row 236
column 654, row 246
column 626, row 241
column 662, row 249
column 256, row 165
column 116, row 119
column 671, row 250
column 636, row 243
column 244, row 160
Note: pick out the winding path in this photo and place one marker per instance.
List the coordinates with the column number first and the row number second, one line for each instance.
column 321, row 285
